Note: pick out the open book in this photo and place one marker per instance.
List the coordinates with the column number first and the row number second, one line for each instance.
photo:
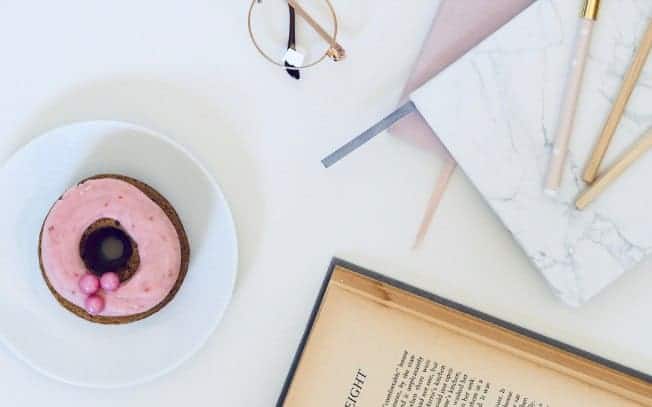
column 372, row 341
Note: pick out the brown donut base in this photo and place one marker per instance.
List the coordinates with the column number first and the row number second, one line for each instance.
column 185, row 258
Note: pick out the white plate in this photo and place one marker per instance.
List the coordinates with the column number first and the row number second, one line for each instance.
column 56, row 342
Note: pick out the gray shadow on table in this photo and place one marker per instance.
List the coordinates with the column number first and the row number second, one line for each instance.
column 190, row 116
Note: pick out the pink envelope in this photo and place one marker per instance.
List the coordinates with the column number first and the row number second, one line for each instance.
column 459, row 26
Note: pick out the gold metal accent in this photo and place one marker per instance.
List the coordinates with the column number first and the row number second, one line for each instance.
column 591, row 9
column 336, row 52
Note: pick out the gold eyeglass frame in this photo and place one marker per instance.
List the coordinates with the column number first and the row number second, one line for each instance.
column 335, row 51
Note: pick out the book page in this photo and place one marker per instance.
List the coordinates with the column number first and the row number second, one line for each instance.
column 364, row 353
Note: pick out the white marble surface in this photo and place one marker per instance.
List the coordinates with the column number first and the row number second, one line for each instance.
column 163, row 65
column 496, row 110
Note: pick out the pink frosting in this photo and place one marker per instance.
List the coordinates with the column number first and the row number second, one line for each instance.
column 146, row 223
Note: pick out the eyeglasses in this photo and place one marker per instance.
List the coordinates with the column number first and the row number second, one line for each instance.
column 318, row 42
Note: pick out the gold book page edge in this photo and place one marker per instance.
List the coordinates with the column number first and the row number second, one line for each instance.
column 533, row 350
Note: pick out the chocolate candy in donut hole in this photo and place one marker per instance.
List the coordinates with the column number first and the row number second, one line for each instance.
column 106, row 247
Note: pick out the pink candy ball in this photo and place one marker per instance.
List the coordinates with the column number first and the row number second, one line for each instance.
column 110, row 281
column 89, row 284
column 94, row 304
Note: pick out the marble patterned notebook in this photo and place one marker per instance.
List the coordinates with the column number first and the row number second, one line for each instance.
column 496, row 111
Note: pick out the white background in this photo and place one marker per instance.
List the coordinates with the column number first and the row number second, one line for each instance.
column 187, row 69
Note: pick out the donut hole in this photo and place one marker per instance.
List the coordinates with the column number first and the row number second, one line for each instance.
column 106, row 247
column 112, row 248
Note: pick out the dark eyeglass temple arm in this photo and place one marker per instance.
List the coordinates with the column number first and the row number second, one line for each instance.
column 292, row 43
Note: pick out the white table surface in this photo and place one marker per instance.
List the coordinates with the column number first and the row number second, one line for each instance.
column 187, row 69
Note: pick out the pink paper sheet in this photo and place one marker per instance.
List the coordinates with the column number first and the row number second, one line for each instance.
column 459, row 26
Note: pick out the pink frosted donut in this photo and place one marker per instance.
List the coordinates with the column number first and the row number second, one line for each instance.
column 114, row 224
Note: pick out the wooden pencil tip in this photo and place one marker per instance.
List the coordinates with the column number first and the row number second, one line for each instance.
column 588, row 177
